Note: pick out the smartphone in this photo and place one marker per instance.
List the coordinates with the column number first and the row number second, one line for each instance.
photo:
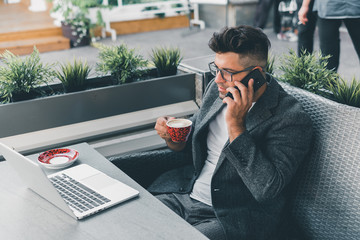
column 255, row 74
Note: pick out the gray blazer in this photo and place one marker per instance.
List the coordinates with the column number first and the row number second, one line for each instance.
column 249, row 183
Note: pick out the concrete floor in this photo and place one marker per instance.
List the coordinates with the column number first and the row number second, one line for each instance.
column 193, row 43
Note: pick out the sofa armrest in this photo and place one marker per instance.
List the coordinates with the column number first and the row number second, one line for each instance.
column 145, row 167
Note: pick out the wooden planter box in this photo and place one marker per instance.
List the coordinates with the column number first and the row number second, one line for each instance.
column 59, row 110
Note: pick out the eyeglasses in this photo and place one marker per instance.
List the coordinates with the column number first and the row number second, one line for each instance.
column 226, row 75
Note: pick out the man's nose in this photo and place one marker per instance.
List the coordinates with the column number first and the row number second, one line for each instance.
column 218, row 77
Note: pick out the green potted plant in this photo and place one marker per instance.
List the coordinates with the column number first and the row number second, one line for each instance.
column 73, row 75
column 270, row 67
column 308, row 72
column 345, row 93
column 21, row 78
column 166, row 60
column 123, row 63
column 75, row 20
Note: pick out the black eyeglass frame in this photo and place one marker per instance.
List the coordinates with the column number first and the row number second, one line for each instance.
column 231, row 73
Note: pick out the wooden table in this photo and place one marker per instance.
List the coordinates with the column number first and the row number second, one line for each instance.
column 26, row 215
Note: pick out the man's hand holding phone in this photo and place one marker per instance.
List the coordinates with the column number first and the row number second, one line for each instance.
column 238, row 108
column 239, row 100
column 257, row 77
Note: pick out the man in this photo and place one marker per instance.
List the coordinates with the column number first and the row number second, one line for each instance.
column 244, row 151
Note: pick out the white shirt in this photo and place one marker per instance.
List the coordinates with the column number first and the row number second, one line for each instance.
column 217, row 137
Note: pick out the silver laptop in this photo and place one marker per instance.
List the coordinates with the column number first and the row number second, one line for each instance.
column 79, row 191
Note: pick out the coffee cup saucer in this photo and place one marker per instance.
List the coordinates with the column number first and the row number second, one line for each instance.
column 58, row 158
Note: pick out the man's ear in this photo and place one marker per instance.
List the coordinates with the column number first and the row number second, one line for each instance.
column 261, row 70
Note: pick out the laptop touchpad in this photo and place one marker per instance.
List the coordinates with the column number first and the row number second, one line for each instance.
column 98, row 181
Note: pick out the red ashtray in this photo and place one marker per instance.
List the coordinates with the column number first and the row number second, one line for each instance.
column 58, row 158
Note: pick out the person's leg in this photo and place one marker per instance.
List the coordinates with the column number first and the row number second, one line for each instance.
column 277, row 17
column 203, row 218
column 198, row 214
column 330, row 40
column 262, row 13
column 281, row 35
column 306, row 35
column 352, row 25
column 306, row 32
column 173, row 203
column 211, row 228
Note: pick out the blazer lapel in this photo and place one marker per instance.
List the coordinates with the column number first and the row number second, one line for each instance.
column 209, row 115
column 216, row 107
column 221, row 158
column 201, row 127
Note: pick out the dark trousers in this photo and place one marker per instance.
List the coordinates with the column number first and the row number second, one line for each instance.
column 306, row 32
column 198, row 214
column 329, row 36
column 262, row 13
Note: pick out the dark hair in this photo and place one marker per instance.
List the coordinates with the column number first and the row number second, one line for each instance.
column 245, row 40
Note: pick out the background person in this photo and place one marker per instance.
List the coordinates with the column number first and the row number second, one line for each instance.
column 331, row 14
column 262, row 13
column 245, row 151
column 287, row 10
column 306, row 27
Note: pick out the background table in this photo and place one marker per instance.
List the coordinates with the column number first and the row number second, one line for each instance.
column 26, row 215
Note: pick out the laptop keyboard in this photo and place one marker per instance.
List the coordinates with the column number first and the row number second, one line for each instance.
column 77, row 195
